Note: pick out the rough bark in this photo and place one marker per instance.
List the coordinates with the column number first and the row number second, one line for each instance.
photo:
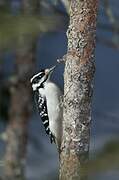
column 78, row 81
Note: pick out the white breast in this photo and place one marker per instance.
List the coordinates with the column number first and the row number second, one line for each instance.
column 53, row 96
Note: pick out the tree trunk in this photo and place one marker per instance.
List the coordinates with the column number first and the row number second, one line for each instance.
column 20, row 112
column 21, row 102
column 78, row 78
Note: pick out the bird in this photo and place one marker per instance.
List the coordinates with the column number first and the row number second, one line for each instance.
column 48, row 101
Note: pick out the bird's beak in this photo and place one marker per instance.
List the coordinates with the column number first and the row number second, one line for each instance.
column 50, row 70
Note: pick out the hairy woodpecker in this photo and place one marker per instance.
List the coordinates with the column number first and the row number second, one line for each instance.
column 47, row 96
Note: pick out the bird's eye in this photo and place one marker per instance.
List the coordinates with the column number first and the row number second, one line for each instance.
column 35, row 80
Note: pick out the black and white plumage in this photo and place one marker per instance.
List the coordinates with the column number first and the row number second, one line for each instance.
column 47, row 96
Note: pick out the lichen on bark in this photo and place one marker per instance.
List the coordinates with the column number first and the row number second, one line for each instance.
column 78, row 86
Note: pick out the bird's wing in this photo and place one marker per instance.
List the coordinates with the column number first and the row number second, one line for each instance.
column 42, row 109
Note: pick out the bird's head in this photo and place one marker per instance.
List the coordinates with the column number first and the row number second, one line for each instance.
column 39, row 79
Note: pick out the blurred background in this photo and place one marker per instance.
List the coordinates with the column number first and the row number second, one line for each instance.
column 33, row 37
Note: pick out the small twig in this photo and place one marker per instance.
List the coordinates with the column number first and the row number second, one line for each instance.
column 60, row 60
column 63, row 59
